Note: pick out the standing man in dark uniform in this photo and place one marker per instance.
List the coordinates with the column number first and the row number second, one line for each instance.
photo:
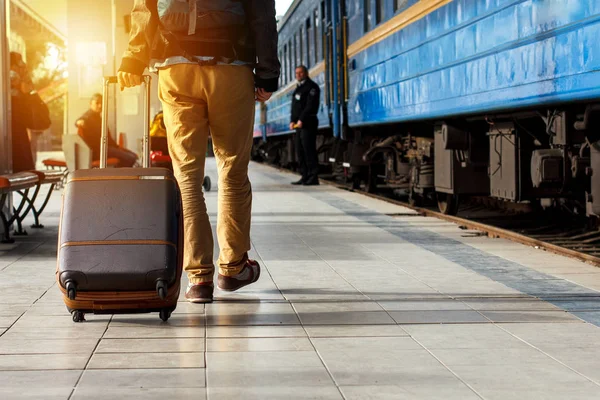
column 305, row 106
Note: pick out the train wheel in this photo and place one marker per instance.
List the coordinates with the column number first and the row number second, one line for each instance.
column 372, row 180
column 447, row 203
column 415, row 199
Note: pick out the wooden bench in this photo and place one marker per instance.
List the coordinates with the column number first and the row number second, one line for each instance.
column 111, row 162
column 48, row 177
column 19, row 182
column 53, row 164
column 22, row 183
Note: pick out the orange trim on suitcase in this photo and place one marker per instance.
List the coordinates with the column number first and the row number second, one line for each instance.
column 122, row 178
column 120, row 242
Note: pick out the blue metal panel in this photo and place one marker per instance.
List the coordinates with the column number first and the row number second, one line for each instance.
column 475, row 56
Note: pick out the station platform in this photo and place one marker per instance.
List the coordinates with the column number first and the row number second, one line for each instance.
column 358, row 299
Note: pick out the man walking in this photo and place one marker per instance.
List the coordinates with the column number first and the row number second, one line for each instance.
column 305, row 106
column 205, row 52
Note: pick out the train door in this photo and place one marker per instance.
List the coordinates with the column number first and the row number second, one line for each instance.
column 336, row 70
column 328, row 59
column 335, row 61
column 343, row 68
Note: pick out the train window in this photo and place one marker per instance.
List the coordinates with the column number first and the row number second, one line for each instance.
column 284, row 68
column 400, row 5
column 316, row 30
column 323, row 19
column 300, row 58
column 281, row 78
column 293, row 55
column 290, row 62
column 301, row 42
column 380, row 11
column 307, row 41
column 298, row 39
column 367, row 15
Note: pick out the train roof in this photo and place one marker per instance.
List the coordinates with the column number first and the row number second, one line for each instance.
column 288, row 13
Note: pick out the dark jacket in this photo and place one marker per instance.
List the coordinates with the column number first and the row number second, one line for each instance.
column 305, row 102
column 255, row 41
column 28, row 112
column 92, row 132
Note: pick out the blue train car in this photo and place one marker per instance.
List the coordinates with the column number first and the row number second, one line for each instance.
column 439, row 99
column 435, row 59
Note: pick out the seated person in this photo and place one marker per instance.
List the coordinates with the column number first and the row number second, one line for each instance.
column 90, row 124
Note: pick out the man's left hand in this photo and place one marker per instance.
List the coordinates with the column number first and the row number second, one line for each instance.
column 299, row 124
column 262, row 95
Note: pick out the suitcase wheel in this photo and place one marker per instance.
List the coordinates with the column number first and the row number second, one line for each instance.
column 71, row 290
column 161, row 289
column 206, row 184
column 78, row 316
column 165, row 314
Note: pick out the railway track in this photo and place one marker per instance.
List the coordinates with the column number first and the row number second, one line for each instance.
column 557, row 232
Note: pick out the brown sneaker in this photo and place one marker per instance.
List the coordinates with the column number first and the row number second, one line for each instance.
column 200, row 292
column 249, row 274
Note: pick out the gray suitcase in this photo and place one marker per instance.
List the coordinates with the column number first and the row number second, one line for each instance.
column 120, row 236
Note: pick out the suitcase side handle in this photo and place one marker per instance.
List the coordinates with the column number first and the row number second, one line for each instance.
column 112, row 80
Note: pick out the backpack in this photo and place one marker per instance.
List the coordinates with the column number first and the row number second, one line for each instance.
column 215, row 19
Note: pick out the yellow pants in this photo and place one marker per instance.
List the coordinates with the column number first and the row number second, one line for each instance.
column 217, row 99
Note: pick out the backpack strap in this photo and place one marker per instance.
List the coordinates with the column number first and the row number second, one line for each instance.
column 193, row 16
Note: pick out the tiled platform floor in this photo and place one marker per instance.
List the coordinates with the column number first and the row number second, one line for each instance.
column 352, row 304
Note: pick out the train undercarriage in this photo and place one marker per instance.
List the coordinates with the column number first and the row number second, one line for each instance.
column 543, row 159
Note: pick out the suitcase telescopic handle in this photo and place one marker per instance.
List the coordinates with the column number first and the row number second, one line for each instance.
column 112, row 80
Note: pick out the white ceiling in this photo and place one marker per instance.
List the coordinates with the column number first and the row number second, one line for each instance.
column 53, row 11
